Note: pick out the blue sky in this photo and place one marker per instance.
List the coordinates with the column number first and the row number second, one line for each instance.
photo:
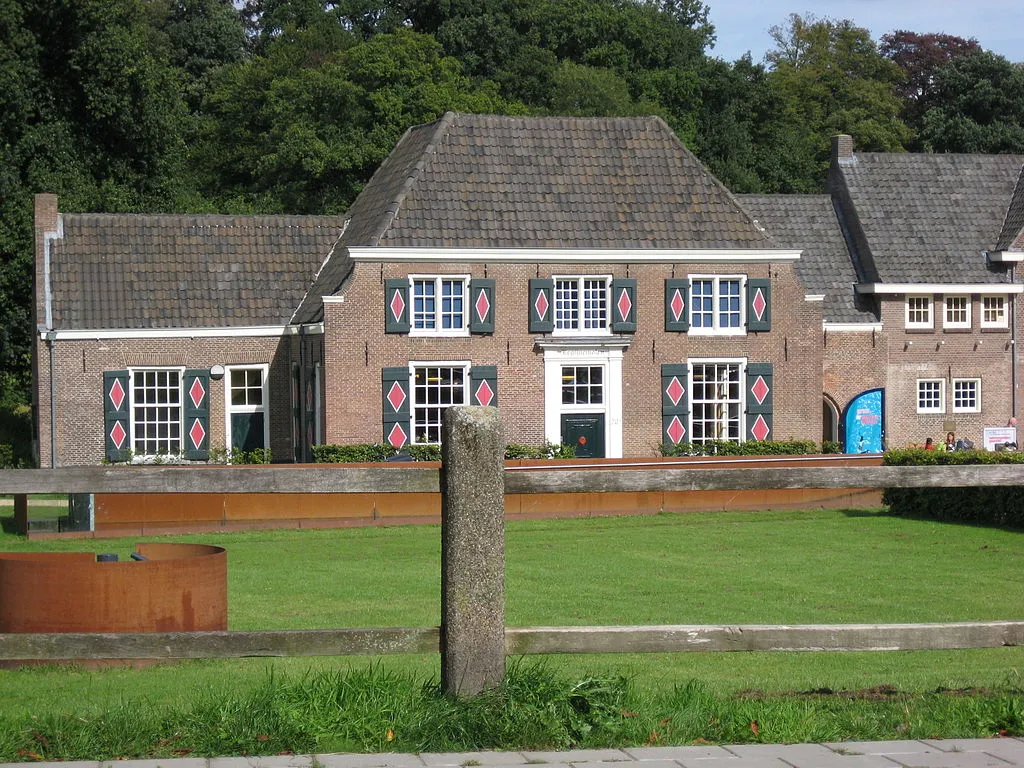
column 998, row 25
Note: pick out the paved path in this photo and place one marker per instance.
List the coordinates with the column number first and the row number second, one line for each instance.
column 949, row 753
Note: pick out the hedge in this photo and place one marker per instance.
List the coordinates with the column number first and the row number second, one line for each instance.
column 372, row 452
column 749, row 448
column 1001, row 505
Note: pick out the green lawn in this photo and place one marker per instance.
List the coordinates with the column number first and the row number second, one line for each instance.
column 802, row 567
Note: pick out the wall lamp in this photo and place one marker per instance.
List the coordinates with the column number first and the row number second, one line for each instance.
column 907, row 345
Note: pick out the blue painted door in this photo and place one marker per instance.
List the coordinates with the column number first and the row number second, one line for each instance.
column 864, row 422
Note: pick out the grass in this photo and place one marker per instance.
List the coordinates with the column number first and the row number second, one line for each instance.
column 752, row 568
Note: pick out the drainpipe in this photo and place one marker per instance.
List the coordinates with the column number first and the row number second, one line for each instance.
column 1013, row 347
column 303, row 415
column 53, row 398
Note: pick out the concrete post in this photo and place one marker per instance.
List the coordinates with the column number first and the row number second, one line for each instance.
column 472, row 550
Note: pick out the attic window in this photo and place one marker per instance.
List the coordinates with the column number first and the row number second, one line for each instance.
column 919, row 312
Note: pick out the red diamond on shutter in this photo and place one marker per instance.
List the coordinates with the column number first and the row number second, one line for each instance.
column 759, row 304
column 760, row 429
column 541, row 304
column 309, row 396
column 624, row 304
column 396, row 396
column 677, row 305
column 309, row 434
column 197, row 433
column 675, row 430
column 397, row 436
column 675, row 390
column 759, row 390
column 116, row 395
column 197, row 392
column 484, row 393
column 397, row 305
column 482, row 305
column 117, row 435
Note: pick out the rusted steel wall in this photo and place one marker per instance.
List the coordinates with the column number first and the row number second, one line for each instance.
column 180, row 587
column 153, row 514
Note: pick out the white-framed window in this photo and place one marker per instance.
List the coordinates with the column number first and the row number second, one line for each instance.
column 716, row 400
column 439, row 305
column 931, row 395
column 156, row 411
column 582, row 304
column 993, row 312
column 582, row 384
column 966, row 395
column 717, row 304
column 246, row 391
column 919, row 312
column 957, row 312
column 435, row 387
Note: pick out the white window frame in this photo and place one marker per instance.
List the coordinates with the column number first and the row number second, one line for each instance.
column 716, row 328
column 975, row 382
column 966, row 309
column 414, row 425
column 919, row 390
column 1004, row 317
column 145, row 457
column 928, row 309
column 264, row 407
column 608, row 357
column 438, row 280
column 741, row 364
column 602, row 330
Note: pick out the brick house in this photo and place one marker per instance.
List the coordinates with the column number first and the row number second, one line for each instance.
column 588, row 276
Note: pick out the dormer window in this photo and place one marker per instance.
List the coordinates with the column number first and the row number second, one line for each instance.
column 993, row 312
column 919, row 312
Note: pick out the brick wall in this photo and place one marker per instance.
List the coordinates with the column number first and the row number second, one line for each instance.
column 356, row 349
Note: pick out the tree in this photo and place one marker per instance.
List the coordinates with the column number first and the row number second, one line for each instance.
column 919, row 56
column 836, row 81
column 977, row 105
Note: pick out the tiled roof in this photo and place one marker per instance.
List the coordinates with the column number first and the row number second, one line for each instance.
column 484, row 181
column 809, row 222
column 1012, row 236
column 175, row 271
column 929, row 217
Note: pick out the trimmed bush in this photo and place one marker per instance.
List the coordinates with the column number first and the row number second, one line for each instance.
column 375, row 452
column 1002, row 505
column 749, row 448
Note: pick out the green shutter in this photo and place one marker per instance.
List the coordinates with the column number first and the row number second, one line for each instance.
column 196, row 439
column 483, row 385
column 396, row 405
column 759, row 304
column 396, row 305
column 481, row 305
column 623, row 305
column 116, row 402
column 760, row 394
column 542, row 305
column 677, row 305
column 309, row 402
column 675, row 403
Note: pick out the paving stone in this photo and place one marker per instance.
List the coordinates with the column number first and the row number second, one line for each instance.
column 166, row 762
column 951, row 760
column 750, row 761
column 358, row 760
column 793, row 753
column 881, row 747
column 676, row 753
column 577, row 756
column 257, row 761
column 473, row 758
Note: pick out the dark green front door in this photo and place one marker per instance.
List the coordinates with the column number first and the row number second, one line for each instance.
column 584, row 431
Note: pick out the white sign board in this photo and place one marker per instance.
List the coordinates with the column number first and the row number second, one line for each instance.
column 995, row 437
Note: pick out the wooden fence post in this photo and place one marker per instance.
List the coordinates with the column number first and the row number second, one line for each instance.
column 472, row 550
column 21, row 514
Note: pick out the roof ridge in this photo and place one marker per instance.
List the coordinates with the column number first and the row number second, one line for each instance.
column 441, row 127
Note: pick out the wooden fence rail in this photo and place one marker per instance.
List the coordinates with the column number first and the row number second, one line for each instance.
column 460, row 544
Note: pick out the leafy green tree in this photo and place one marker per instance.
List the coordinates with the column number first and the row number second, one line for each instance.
column 836, row 81
column 977, row 106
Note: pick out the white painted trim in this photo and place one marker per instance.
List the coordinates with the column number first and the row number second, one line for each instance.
column 928, row 324
column 977, row 394
column 951, row 288
column 467, row 394
column 438, row 332
column 1005, row 256
column 584, row 354
column 48, row 237
column 229, row 409
column 964, row 324
column 184, row 333
column 577, row 255
column 333, row 299
column 814, row 297
column 852, row 327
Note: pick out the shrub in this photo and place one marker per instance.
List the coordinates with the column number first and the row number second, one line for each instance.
column 749, row 448
column 375, row 452
column 991, row 505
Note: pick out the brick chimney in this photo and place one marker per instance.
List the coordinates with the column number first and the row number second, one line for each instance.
column 842, row 149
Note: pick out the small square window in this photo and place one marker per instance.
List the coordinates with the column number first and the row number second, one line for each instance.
column 966, row 395
column 439, row 305
column 919, row 312
column 993, row 312
column 931, row 396
column 958, row 312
